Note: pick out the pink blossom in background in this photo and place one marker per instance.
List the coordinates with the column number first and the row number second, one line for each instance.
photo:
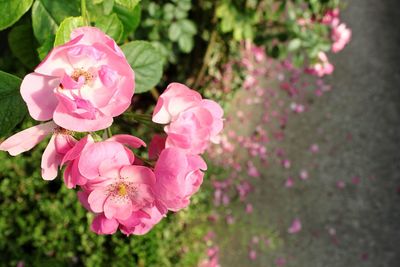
column 322, row 67
column 252, row 254
column 178, row 177
column 341, row 36
column 289, row 182
column 295, row 227
column 60, row 143
column 82, row 84
column 331, row 16
column 192, row 121
column 303, row 175
column 249, row 208
column 280, row 262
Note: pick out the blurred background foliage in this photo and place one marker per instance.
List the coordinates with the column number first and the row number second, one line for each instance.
column 42, row 223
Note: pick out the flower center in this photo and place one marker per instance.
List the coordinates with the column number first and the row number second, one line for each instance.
column 122, row 190
column 78, row 73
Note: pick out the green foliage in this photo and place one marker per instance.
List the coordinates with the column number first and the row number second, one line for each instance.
column 22, row 44
column 47, row 15
column 12, row 107
column 146, row 62
column 12, row 11
column 64, row 31
column 111, row 25
column 169, row 27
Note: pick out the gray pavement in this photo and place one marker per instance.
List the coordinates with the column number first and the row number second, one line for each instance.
column 357, row 127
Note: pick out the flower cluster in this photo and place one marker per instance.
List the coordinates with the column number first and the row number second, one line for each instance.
column 340, row 37
column 78, row 89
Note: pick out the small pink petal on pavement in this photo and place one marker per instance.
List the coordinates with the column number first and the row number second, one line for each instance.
column 295, row 227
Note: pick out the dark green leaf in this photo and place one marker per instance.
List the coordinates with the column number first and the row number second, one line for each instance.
column 146, row 63
column 12, row 107
column 22, row 44
column 48, row 14
column 12, row 11
column 130, row 18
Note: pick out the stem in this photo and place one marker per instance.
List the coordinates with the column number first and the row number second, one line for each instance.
column 109, row 133
column 154, row 93
column 206, row 60
column 83, row 12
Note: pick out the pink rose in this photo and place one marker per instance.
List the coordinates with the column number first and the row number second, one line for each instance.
column 178, row 177
column 60, row 143
column 120, row 191
column 111, row 151
column 82, row 84
column 193, row 121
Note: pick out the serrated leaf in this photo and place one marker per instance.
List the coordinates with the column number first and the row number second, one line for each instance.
column 22, row 44
column 146, row 62
column 12, row 11
column 12, row 107
column 63, row 34
column 48, row 14
column 45, row 48
column 111, row 25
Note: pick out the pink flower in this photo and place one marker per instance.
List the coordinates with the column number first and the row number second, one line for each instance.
column 120, row 191
column 295, row 227
column 178, row 177
column 331, row 16
column 322, row 67
column 193, row 121
column 82, row 84
column 60, row 143
column 341, row 36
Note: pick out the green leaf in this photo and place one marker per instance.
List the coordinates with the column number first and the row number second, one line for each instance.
column 130, row 18
column 22, row 44
column 129, row 4
column 186, row 43
column 12, row 107
column 108, row 6
column 188, row 26
column 174, row 31
column 63, row 34
column 45, row 48
column 48, row 14
column 12, row 11
column 111, row 25
column 146, row 62
column 294, row 45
